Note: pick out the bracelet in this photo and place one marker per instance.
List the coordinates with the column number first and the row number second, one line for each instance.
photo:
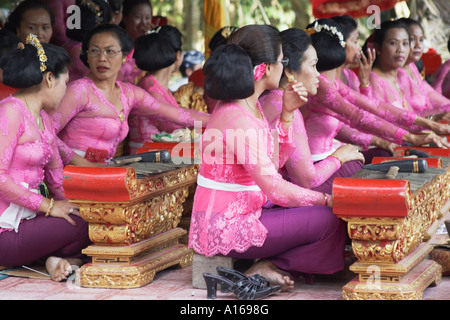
column 287, row 121
column 326, row 198
column 50, row 207
column 340, row 160
column 365, row 85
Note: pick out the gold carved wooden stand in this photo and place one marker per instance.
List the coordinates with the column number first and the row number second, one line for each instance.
column 132, row 221
column 390, row 222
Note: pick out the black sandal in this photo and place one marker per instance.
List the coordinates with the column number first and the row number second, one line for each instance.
column 235, row 275
column 244, row 289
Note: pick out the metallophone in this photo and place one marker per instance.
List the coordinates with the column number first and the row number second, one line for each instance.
column 133, row 211
column 392, row 222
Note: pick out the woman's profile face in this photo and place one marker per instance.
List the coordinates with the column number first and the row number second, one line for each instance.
column 352, row 48
column 37, row 22
column 394, row 50
column 308, row 74
column 416, row 41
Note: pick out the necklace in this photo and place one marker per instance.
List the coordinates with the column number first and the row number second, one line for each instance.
column 37, row 118
column 256, row 110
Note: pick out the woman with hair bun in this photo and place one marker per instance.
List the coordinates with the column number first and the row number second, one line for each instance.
column 239, row 170
column 335, row 104
column 159, row 54
column 34, row 225
column 300, row 168
column 92, row 118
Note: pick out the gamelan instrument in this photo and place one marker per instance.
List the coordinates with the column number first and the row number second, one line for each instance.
column 391, row 220
column 133, row 210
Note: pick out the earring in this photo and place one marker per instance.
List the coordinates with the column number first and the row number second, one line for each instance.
column 267, row 71
column 124, row 60
column 291, row 78
column 49, row 83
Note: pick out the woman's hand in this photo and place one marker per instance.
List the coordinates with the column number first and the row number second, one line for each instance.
column 63, row 209
column 365, row 66
column 348, row 152
column 384, row 144
column 421, row 139
column 294, row 96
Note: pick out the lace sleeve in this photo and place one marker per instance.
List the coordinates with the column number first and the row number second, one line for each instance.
column 12, row 127
column 329, row 101
column 257, row 162
column 349, row 135
column 145, row 104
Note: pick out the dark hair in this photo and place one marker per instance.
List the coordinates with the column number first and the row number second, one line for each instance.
column 126, row 44
column 158, row 49
column 347, row 24
column 21, row 67
column 128, row 6
column 409, row 22
column 330, row 53
column 380, row 34
column 115, row 5
column 8, row 41
column 220, row 37
column 229, row 69
column 16, row 15
column 90, row 18
column 295, row 43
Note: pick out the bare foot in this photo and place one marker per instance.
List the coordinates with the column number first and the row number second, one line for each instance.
column 59, row 268
column 274, row 275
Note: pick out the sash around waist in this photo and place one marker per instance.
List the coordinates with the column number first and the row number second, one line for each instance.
column 224, row 186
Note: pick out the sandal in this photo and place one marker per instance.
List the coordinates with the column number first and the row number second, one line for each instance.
column 244, row 289
column 235, row 275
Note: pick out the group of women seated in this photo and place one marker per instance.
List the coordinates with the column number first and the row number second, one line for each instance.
column 290, row 115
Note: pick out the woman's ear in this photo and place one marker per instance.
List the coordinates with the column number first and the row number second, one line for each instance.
column 49, row 78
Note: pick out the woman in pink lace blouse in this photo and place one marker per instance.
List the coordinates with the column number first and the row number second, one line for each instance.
column 33, row 226
column 438, row 103
column 441, row 82
column 239, row 171
column 389, row 80
column 92, row 118
column 300, row 167
column 159, row 54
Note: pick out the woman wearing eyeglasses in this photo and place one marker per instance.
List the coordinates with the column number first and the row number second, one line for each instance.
column 92, row 118
column 241, row 155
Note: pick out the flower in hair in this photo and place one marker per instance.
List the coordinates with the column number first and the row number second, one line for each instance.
column 332, row 30
column 259, row 71
column 154, row 30
column 130, row 54
column 20, row 46
column 95, row 9
column 310, row 31
column 34, row 41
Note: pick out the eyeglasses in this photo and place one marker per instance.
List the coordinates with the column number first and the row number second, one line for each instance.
column 284, row 62
column 95, row 53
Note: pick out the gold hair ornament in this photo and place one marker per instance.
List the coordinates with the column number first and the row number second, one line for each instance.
column 34, row 41
column 20, row 46
column 95, row 9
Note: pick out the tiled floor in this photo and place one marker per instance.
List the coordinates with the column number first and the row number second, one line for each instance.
column 176, row 284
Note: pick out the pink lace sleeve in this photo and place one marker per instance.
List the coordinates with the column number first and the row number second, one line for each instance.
column 53, row 171
column 329, row 101
column 257, row 162
column 442, row 73
column 13, row 128
column 349, row 135
column 383, row 110
column 145, row 104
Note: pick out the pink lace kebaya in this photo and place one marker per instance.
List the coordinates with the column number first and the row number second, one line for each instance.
column 27, row 155
column 442, row 78
column 86, row 119
column 142, row 127
column 224, row 220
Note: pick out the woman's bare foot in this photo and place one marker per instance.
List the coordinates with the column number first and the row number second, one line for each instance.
column 59, row 268
column 274, row 275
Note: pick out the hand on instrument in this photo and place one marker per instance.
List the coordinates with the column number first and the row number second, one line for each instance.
column 384, row 144
column 63, row 209
column 422, row 139
column 348, row 152
column 440, row 128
